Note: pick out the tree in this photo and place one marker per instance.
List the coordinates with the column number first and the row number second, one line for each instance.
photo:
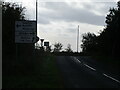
column 57, row 47
column 109, row 38
column 107, row 43
column 48, row 49
column 37, row 46
column 11, row 12
column 68, row 49
column 89, row 42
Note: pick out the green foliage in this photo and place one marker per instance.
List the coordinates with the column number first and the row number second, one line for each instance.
column 109, row 38
column 89, row 42
column 11, row 12
column 68, row 49
column 37, row 46
column 107, row 43
column 57, row 47
column 48, row 49
column 45, row 74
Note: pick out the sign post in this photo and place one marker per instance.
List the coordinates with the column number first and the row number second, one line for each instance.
column 47, row 46
column 25, row 37
column 46, row 43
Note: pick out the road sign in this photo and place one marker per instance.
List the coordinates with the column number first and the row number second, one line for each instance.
column 46, row 43
column 25, row 32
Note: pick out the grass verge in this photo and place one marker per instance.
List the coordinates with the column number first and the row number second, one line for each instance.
column 44, row 75
column 108, row 61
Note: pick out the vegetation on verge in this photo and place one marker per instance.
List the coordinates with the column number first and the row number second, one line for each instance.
column 45, row 74
column 22, row 64
column 26, row 67
column 107, row 43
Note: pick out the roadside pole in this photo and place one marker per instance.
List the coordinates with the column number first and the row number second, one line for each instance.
column 16, row 53
column 77, row 38
column 26, row 38
column 36, row 31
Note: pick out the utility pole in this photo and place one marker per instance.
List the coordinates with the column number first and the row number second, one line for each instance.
column 36, row 21
column 36, row 16
column 77, row 38
column 35, row 44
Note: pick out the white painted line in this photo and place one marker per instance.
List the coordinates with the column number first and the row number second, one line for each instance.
column 90, row 67
column 77, row 60
column 111, row 78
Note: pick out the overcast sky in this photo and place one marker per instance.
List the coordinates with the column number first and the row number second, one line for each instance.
column 58, row 20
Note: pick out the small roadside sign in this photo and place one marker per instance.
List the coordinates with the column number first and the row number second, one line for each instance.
column 46, row 43
column 25, row 31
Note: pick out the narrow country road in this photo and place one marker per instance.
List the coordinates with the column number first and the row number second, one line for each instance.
column 80, row 74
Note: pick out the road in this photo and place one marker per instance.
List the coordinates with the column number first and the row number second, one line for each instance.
column 80, row 73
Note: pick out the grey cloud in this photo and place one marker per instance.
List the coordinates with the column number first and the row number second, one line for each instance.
column 69, row 14
column 43, row 20
column 65, row 12
column 82, row 16
column 55, row 5
column 71, row 30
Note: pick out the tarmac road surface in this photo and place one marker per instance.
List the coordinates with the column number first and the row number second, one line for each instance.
column 77, row 73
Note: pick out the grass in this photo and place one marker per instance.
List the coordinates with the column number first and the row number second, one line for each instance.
column 45, row 75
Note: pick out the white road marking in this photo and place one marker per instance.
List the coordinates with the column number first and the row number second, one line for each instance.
column 111, row 78
column 77, row 59
column 95, row 70
column 90, row 67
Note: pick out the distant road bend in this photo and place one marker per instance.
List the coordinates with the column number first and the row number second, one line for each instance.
column 80, row 73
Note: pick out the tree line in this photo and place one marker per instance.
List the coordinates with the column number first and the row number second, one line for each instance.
column 57, row 47
column 12, row 12
column 107, row 43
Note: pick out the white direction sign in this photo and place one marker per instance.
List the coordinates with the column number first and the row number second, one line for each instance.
column 25, row 32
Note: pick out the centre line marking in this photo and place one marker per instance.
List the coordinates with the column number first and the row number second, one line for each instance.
column 111, row 78
column 90, row 67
